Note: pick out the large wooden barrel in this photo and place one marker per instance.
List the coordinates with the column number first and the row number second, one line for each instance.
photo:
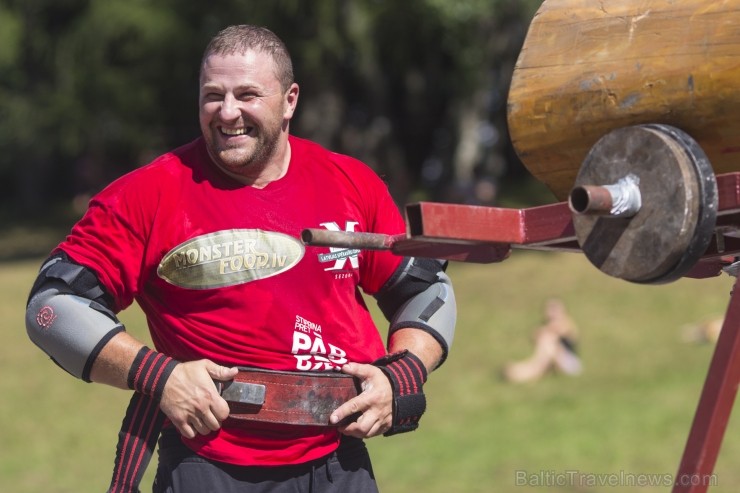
column 588, row 67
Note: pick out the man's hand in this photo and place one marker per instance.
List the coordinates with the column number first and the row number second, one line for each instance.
column 374, row 405
column 191, row 400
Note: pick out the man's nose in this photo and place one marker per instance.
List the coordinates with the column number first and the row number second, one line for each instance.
column 230, row 108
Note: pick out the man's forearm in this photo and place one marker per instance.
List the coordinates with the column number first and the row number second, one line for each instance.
column 419, row 342
column 112, row 365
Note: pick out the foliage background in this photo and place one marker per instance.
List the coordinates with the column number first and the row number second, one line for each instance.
column 90, row 89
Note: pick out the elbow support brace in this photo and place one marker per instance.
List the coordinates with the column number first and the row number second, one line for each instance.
column 420, row 295
column 67, row 316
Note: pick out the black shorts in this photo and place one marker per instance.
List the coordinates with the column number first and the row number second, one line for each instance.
column 180, row 470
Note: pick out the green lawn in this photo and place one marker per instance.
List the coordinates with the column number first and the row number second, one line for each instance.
column 627, row 415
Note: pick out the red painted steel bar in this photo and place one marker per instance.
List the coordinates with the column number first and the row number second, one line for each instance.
column 715, row 406
column 547, row 225
column 728, row 193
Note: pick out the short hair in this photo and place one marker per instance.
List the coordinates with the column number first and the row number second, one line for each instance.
column 239, row 39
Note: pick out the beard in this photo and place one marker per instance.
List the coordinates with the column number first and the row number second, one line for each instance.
column 249, row 157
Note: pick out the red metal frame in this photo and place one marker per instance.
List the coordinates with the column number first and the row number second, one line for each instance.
column 715, row 406
column 547, row 227
column 487, row 234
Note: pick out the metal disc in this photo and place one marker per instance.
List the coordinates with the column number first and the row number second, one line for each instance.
column 676, row 220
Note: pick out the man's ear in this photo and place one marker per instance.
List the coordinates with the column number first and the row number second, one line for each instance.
column 291, row 101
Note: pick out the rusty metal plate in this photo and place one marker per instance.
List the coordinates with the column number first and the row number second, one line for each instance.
column 676, row 219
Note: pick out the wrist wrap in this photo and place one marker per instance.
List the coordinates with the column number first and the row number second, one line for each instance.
column 407, row 375
column 149, row 372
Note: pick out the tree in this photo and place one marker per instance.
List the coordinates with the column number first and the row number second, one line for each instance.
column 93, row 88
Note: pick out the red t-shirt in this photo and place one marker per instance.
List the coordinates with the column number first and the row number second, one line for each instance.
column 220, row 272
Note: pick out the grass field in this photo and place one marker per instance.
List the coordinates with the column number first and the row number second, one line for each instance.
column 628, row 414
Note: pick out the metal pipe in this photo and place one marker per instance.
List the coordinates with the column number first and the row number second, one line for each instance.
column 348, row 239
column 621, row 199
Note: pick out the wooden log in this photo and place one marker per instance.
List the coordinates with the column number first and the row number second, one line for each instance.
column 588, row 67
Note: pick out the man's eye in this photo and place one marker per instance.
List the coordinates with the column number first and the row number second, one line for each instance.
column 213, row 96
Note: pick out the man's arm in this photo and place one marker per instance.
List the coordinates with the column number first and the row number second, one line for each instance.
column 69, row 317
column 375, row 404
column 189, row 397
column 420, row 304
column 419, row 342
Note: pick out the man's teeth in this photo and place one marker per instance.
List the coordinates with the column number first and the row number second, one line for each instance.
column 234, row 131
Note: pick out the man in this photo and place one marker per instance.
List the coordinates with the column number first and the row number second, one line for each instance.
column 204, row 238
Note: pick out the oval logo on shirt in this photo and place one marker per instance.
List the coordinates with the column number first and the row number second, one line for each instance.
column 229, row 257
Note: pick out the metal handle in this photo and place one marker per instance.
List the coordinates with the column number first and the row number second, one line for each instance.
column 347, row 239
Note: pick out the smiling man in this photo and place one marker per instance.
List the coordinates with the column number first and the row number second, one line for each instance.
column 268, row 370
column 244, row 114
